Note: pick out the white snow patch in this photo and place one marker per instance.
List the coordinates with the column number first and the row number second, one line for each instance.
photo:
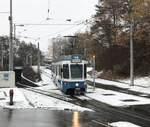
column 141, row 81
column 123, row 124
column 116, row 98
column 89, row 69
column 107, row 82
column 140, row 88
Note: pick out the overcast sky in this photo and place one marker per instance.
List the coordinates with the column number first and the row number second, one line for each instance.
column 36, row 11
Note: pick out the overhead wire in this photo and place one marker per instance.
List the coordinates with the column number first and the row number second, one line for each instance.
column 59, row 31
column 66, row 29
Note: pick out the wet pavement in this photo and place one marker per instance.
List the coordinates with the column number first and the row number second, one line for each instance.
column 64, row 118
column 47, row 118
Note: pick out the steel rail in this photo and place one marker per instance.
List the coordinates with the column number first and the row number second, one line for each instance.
column 99, row 105
column 47, row 93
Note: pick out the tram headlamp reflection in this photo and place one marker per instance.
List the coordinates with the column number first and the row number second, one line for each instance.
column 75, row 119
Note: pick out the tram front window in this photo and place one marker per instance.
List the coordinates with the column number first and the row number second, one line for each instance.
column 76, row 71
column 66, row 71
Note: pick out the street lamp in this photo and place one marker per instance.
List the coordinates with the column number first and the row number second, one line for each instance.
column 21, row 25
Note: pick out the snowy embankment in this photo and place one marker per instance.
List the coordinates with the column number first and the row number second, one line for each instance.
column 116, row 98
column 142, row 87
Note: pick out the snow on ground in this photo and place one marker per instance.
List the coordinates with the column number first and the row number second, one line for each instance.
column 19, row 99
column 143, row 87
column 140, row 81
column 110, row 97
column 116, row 98
column 123, row 124
column 42, row 101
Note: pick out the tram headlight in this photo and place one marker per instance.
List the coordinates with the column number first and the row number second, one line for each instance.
column 77, row 84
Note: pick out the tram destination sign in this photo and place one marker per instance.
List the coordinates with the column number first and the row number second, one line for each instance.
column 76, row 59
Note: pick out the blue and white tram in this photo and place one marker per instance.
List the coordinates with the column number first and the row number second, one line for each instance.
column 69, row 74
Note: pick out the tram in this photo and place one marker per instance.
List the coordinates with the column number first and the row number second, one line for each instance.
column 69, row 74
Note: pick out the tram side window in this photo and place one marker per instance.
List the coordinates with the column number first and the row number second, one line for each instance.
column 65, row 71
column 85, row 71
column 60, row 71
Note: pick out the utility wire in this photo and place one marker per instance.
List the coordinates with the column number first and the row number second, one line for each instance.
column 34, row 24
column 69, row 28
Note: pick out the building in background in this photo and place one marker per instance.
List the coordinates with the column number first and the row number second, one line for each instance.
column 99, row 2
column 50, row 50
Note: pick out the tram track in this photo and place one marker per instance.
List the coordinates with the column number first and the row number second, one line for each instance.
column 44, row 92
column 102, row 107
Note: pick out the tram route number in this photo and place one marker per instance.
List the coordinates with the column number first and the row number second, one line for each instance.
column 76, row 59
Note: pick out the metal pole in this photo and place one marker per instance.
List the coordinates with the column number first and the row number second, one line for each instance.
column 11, row 40
column 94, row 73
column 131, row 46
column 38, row 59
column 14, row 31
column 131, row 55
column 2, row 61
column 27, row 61
column 84, row 50
column 31, row 60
